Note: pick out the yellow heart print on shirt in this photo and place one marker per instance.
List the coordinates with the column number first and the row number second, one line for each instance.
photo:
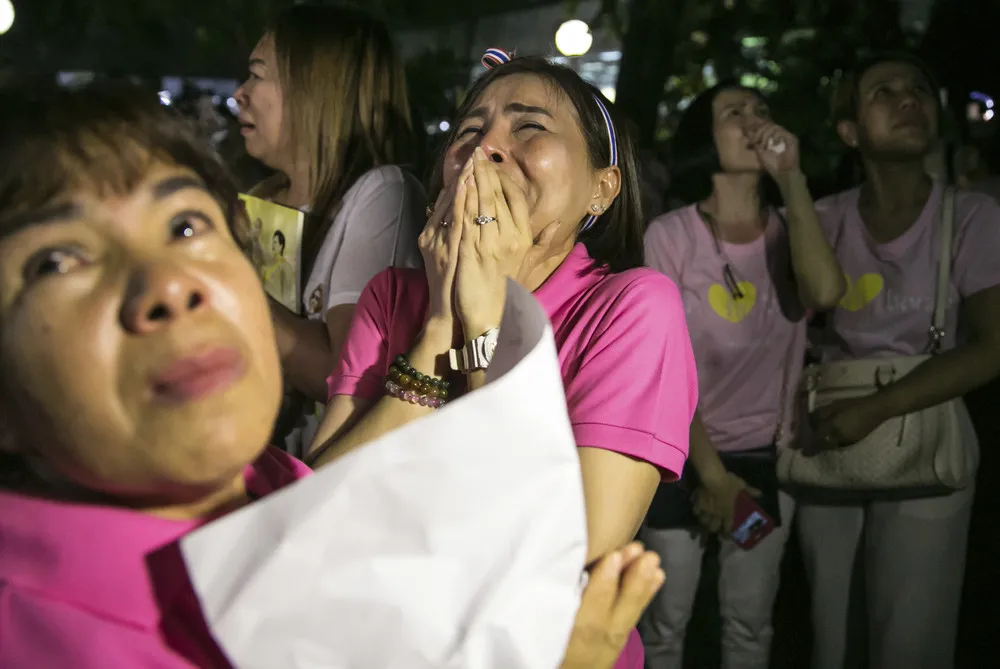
column 861, row 292
column 732, row 309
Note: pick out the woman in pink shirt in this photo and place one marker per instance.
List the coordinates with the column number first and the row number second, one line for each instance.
column 139, row 381
column 887, row 236
column 537, row 181
column 747, row 275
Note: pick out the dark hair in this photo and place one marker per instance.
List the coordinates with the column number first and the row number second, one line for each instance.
column 616, row 239
column 694, row 158
column 103, row 136
column 280, row 236
column 844, row 106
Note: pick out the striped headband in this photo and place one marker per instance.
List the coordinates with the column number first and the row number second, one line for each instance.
column 494, row 58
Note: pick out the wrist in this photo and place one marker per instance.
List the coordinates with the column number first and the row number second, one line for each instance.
column 712, row 474
column 885, row 404
column 477, row 328
column 790, row 180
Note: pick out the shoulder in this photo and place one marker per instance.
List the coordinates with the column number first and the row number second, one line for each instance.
column 385, row 179
column 672, row 222
column 394, row 285
column 833, row 209
column 640, row 295
column 976, row 209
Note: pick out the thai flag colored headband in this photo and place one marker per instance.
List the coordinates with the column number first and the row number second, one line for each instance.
column 494, row 58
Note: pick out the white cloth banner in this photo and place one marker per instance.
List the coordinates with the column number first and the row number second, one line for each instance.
column 457, row 541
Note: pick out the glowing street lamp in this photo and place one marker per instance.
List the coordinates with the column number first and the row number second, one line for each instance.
column 6, row 16
column 573, row 38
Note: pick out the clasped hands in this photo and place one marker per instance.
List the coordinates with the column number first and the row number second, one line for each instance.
column 478, row 234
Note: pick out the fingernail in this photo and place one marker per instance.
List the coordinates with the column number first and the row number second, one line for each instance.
column 479, row 153
column 615, row 560
column 660, row 576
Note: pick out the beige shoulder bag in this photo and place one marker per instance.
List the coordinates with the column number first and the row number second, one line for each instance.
column 924, row 453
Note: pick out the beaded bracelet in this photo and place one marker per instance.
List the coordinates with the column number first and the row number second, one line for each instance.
column 406, row 383
column 399, row 392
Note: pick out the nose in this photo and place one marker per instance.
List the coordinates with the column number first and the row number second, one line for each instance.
column 241, row 96
column 158, row 296
column 494, row 145
column 908, row 100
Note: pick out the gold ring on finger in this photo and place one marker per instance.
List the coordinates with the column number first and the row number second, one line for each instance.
column 429, row 211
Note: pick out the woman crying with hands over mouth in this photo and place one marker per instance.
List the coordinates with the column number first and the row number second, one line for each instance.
column 537, row 183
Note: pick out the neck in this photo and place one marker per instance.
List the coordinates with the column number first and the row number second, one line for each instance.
column 198, row 504
column 892, row 188
column 298, row 193
column 735, row 199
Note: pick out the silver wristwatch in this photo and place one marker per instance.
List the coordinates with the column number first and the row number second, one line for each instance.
column 476, row 354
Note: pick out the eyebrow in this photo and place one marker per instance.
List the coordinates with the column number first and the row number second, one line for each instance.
column 171, row 185
column 512, row 108
column 68, row 211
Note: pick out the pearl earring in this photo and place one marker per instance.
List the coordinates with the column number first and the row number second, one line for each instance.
column 596, row 208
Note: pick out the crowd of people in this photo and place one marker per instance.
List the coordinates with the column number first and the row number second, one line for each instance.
column 136, row 333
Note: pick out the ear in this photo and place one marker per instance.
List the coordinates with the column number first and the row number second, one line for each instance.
column 609, row 185
column 848, row 131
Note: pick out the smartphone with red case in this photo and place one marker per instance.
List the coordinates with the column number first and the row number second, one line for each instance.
column 750, row 522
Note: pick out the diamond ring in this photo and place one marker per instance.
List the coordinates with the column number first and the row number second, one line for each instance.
column 483, row 220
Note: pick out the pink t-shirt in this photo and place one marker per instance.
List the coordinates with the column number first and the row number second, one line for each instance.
column 743, row 347
column 95, row 587
column 889, row 304
column 626, row 360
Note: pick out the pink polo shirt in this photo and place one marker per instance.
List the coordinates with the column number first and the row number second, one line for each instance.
column 96, row 587
column 748, row 349
column 889, row 303
column 624, row 351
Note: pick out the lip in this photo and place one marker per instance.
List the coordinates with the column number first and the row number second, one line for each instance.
column 196, row 377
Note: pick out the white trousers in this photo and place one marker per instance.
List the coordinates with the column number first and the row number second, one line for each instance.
column 890, row 570
column 748, row 584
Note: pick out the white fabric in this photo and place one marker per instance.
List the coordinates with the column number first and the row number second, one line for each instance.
column 455, row 542
column 376, row 226
column 748, row 584
column 891, row 571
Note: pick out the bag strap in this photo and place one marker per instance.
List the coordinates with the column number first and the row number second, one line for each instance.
column 937, row 331
column 779, row 429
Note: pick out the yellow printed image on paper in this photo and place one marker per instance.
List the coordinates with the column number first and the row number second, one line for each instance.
column 276, row 232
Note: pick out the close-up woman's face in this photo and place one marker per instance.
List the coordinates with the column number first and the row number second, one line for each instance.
column 530, row 130
column 136, row 347
column 897, row 111
column 262, row 107
column 734, row 111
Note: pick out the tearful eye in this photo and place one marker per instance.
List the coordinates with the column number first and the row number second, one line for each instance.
column 465, row 131
column 190, row 224
column 51, row 261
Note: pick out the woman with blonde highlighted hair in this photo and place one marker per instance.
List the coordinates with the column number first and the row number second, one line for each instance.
column 325, row 105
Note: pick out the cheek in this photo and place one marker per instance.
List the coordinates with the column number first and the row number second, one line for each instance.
column 454, row 160
column 63, row 360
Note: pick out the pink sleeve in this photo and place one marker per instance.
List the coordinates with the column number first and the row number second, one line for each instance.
column 636, row 389
column 660, row 248
column 363, row 356
column 976, row 245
